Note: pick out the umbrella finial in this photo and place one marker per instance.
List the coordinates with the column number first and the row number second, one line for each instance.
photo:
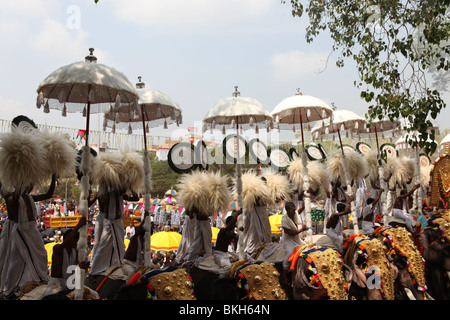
column 140, row 84
column 90, row 57
column 236, row 93
column 298, row 92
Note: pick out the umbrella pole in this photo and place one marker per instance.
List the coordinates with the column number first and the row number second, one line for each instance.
column 306, row 195
column 241, row 245
column 147, row 204
column 382, row 183
column 349, row 187
column 83, row 208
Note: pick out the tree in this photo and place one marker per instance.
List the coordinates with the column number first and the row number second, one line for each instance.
column 398, row 45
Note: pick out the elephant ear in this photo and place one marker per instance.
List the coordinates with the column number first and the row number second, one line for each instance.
column 348, row 273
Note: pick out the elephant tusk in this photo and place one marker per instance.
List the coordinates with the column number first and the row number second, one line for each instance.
column 448, row 274
column 410, row 294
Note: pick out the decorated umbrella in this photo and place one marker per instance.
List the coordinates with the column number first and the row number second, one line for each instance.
column 233, row 205
column 215, row 232
column 170, row 192
column 153, row 109
column 87, row 87
column 237, row 112
column 301, row 109
column 343, row 120
column 170, row 200
column 275, row 223
column 165, row 241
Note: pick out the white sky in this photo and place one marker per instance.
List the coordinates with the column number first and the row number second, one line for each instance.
column 195, row 51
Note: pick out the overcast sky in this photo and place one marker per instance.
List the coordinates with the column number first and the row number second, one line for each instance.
column 195, row 51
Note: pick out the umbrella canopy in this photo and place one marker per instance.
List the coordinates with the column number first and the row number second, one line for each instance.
column 299, row 109
column 156, row 109
column 341, row 120
column 236, row 111
column 72, row 86
column 215, row 232
column 275, row 223
column 170, row 200
column 171, row 192
column 49, row 248
column 165, row 241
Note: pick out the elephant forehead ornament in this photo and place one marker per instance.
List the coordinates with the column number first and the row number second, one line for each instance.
column 400, row 242
column 170, row 284
column 260, row 281
column 444, row 227
column 376, row 261
column 326, row 266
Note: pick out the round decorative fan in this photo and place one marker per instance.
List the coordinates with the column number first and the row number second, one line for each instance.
column 347, row 147
column 201, row 155
column 424, row 160
column 294, row 154
column 232, row 146
column 314, row 152
column 279, row 158
column 25, row 124
column 390, row 150
column 322, row 149
column 181, row 157
column 258, row 151
column 363, row 147
column 78, row 161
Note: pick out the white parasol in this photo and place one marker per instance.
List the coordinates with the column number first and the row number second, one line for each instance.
column 300, row 109
column 237, row 112
column 87, row 87
column 154, row 109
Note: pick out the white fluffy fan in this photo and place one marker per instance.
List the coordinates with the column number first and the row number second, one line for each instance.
column 22, row 161
column 107, row 171
column 318, row 176
column 59, row 154
column 279, row 187
column 193, row 193
column 253, row 188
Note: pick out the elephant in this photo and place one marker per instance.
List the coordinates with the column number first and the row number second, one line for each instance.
column 257, row 280
column 434, row 245
column 410, row 281
column 373, row 274
column 319, row 273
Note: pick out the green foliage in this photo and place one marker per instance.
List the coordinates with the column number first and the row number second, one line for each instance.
column 396, row 45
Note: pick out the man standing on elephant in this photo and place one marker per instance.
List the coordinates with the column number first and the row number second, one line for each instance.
column 368, row 224
column 334, row 223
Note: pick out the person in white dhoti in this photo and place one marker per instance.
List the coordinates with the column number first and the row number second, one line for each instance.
column 23, row 258
column 334, row 224
column 368, row 217
column 292, row 228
